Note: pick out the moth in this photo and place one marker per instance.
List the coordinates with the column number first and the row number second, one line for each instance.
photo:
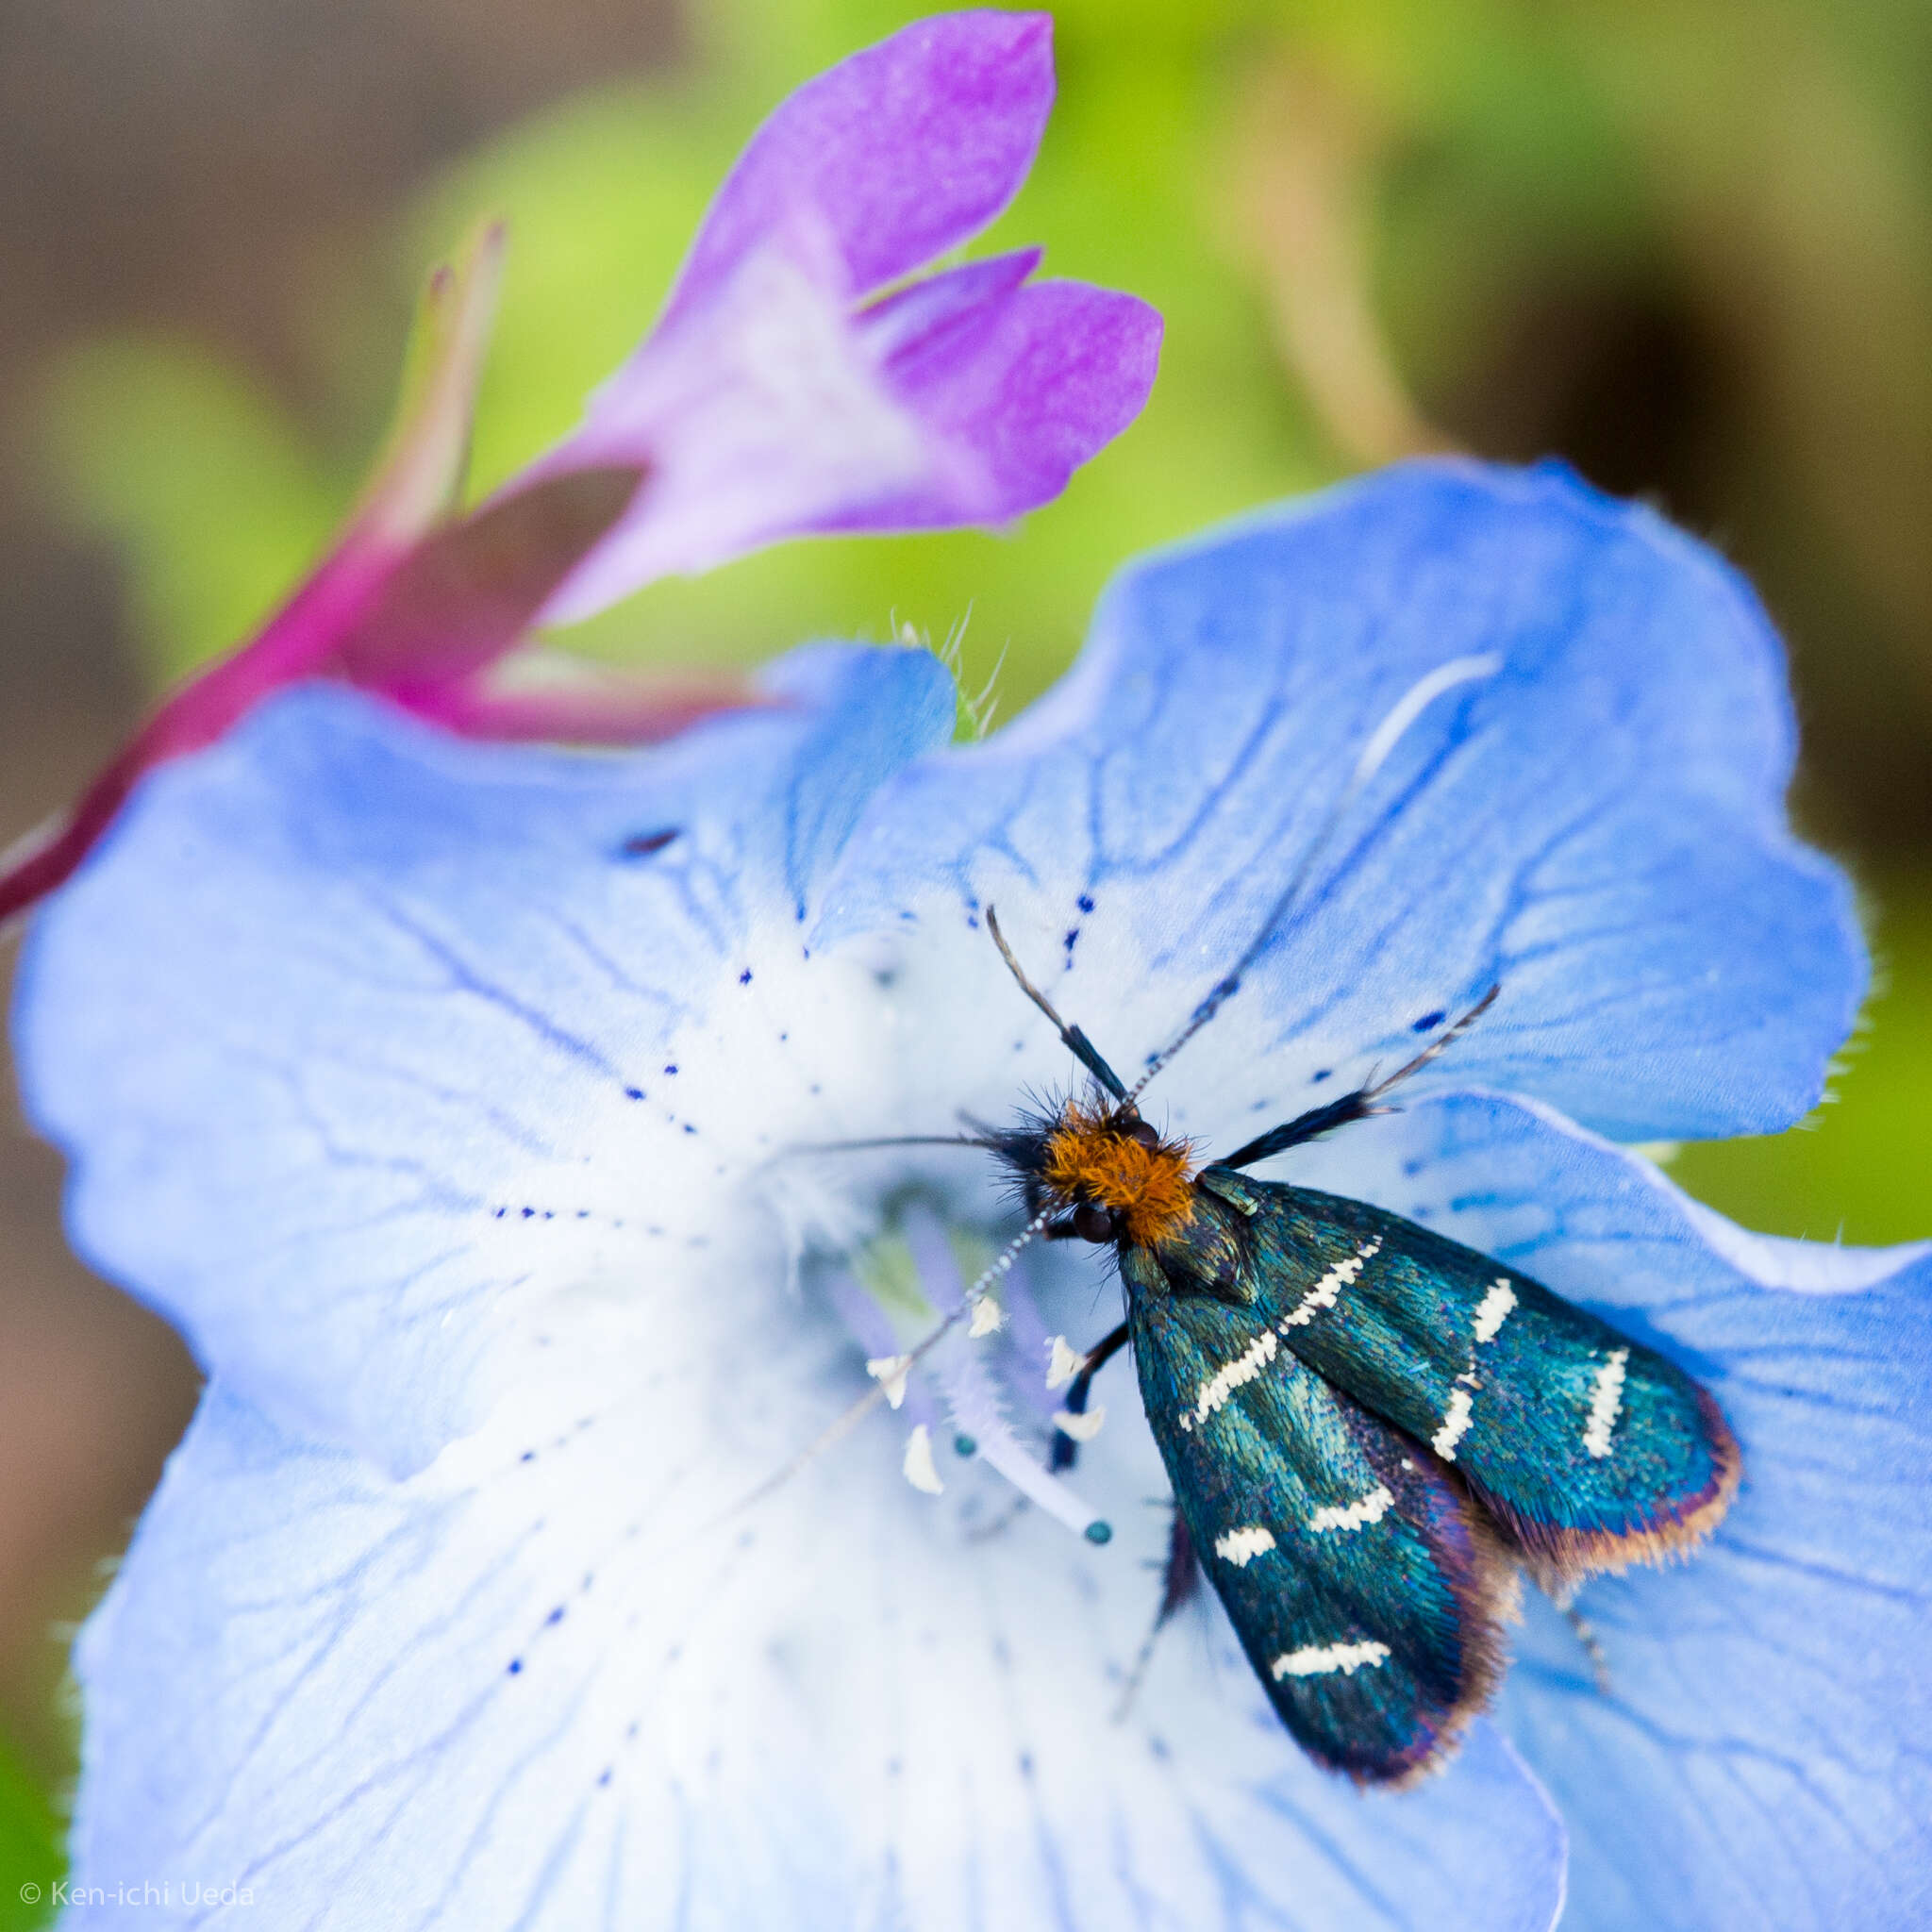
column 1373, row 1432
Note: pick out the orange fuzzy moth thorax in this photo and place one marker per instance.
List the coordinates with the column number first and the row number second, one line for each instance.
column 1090, row 1159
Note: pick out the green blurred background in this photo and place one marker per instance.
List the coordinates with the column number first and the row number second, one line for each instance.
column 1688, row 245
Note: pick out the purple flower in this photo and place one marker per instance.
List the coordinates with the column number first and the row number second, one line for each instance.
column 796, row 384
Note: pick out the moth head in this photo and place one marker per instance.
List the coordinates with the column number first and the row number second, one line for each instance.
column 1103, row 1172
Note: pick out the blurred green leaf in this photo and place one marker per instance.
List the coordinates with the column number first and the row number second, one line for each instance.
column 30, row 1845
column 213, row 500
column 1857, row 1170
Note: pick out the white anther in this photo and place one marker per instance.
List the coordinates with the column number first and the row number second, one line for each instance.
column 1065, row 1363
column 918, row 1466
column 889, row 1372
column 989, row 1318
column 1082, row 1429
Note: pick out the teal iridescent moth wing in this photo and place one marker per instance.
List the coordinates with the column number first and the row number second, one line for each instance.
column 1588, row 1450
column 1366, row 1589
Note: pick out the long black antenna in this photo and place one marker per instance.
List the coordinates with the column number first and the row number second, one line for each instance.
column 1358, row 1105
column 1435, row 1050
column 1078, row 1044
column 1382, row 741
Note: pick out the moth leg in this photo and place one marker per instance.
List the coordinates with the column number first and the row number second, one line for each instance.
column 1562, row 1592
column 1180, row 1581
column 1592, row 1646
column 1065, row 1450
column 1183, row 1574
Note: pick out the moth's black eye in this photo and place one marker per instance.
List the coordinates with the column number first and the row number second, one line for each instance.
column 1093, row 1223
column 1141, row 1131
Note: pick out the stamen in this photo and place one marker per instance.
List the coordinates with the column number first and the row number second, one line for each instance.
column 840, row 1427
column 973, row 1396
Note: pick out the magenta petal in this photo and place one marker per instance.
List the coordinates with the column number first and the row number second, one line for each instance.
column 901, row 152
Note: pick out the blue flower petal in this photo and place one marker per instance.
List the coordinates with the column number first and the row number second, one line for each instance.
column 1598, row 825
column 1762, row 1756
column 572, row 1693
column 355, row 1035
column 361, row 1043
